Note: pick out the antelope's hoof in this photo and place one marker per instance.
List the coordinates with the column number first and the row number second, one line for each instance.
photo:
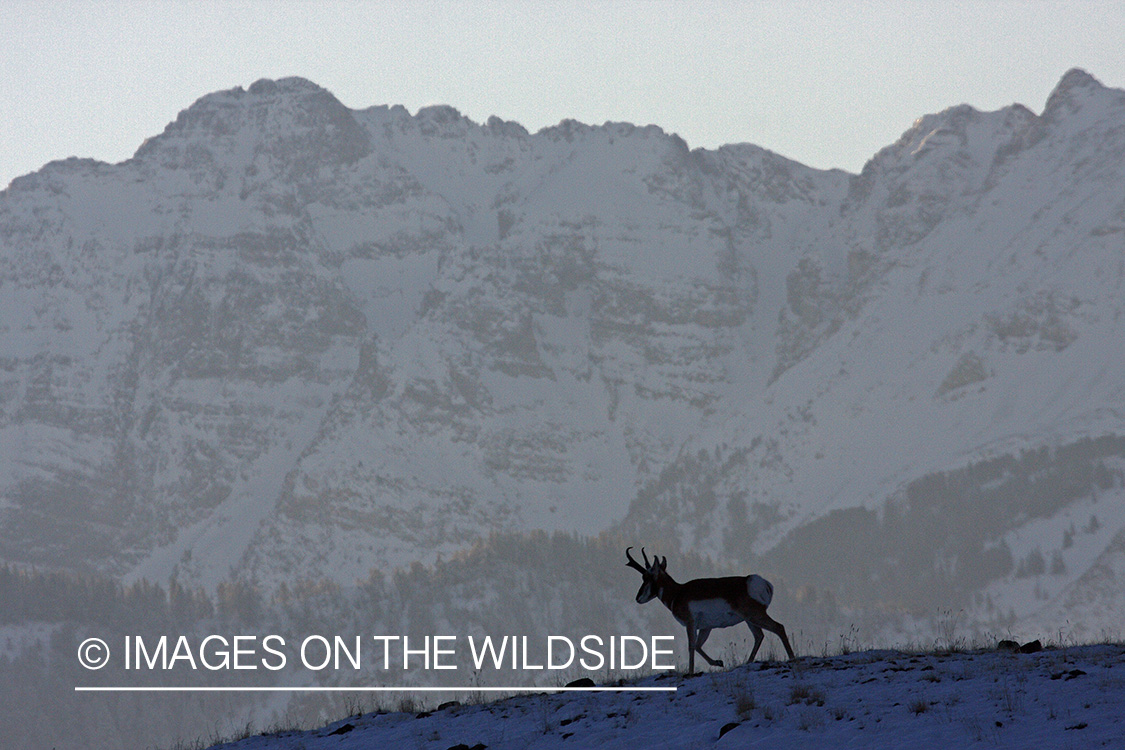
column 719, row 663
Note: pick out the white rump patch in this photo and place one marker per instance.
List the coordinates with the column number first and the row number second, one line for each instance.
column 759, row 589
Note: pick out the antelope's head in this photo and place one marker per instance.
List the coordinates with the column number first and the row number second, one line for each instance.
column 651, row 574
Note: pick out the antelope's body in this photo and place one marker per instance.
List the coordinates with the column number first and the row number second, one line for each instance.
column 707, row 603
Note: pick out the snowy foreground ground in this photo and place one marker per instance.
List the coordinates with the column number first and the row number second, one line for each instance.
column 1064, row 698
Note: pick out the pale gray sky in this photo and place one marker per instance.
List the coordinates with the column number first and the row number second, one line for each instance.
column 825, row 83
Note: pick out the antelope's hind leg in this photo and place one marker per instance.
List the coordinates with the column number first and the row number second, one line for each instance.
column 759, row 636
column 778, row 629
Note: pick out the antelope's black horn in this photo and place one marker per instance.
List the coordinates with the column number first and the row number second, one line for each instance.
column 633, row 563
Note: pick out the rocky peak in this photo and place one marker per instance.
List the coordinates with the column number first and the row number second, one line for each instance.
column 505, row 128
column 951, row 152
column 295, row 123
column 293, row 85
column 1075, row 90
column 443, row 121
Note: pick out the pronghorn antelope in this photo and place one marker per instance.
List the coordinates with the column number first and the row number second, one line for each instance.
column 707, row 603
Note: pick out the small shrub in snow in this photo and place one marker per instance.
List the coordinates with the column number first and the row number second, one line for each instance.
column 744, row 703
column 806, row 694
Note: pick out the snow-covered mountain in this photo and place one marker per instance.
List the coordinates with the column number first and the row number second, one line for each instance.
column 288, row 339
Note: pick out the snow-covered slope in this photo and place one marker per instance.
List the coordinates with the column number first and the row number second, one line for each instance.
column 288, row 339
column 874, row 699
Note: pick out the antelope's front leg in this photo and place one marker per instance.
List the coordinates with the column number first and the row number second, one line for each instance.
column 700, row 639
column 690, row 647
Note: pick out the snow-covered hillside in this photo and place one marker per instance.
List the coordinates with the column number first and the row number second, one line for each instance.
column 292, row 340
column 873, row 699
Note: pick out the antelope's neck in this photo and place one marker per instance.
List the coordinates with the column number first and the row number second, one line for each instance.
column 667, row 590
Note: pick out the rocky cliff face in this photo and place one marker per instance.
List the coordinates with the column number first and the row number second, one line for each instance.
column 292, row 339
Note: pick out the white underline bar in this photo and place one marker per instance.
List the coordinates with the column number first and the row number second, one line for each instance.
column 378, row 689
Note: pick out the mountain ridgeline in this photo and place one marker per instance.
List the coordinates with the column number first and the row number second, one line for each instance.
column 288, row 340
